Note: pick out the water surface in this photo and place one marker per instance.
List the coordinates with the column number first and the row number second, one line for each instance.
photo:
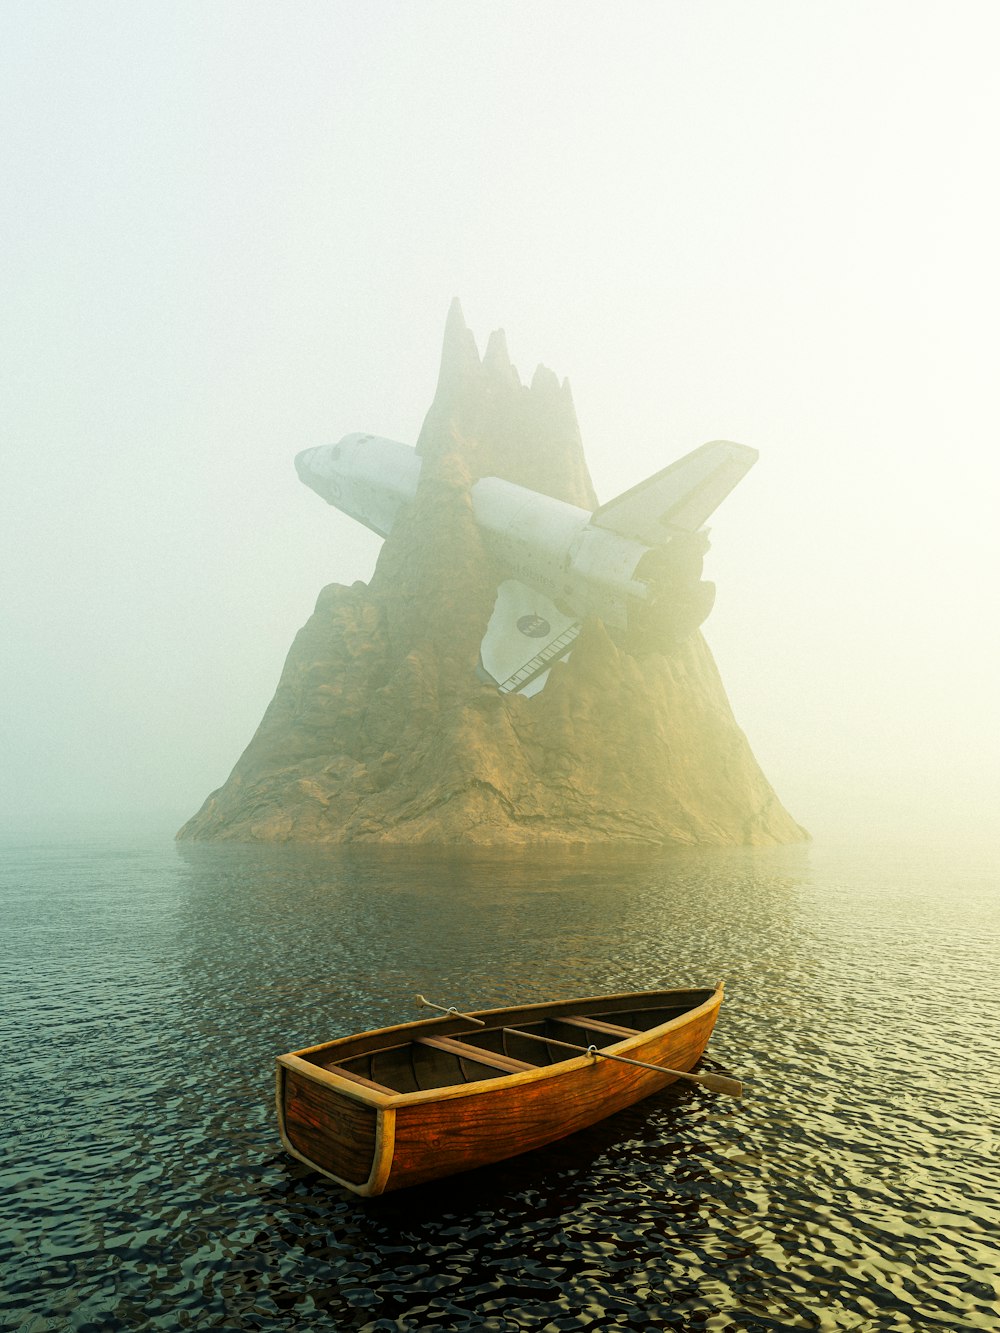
column 148, row 987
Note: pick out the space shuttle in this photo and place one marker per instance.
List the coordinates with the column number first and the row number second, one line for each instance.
column 635, row 562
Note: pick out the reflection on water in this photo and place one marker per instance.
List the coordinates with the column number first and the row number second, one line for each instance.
column 147, row 990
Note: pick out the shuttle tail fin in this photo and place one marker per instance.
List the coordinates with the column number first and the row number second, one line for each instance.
column 681, row 497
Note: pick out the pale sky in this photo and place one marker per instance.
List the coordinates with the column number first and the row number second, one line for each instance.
column 231, row 231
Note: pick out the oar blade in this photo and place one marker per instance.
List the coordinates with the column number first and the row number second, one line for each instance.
column 732, row 1087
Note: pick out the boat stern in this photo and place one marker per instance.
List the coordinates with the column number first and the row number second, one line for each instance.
column 344, row 1132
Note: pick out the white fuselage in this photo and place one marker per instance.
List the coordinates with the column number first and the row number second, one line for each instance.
column 366, row 477
column 546, row 543
column 553, row 546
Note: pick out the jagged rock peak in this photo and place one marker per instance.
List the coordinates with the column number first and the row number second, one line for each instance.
column 501, row 427
column 459, row 354
column 496, row 356
column 544, row 380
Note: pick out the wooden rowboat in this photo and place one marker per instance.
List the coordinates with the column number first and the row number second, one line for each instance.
column 404, row 1105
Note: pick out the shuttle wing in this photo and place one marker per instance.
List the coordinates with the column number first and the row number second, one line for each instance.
column 681, row 497
column 526, row 634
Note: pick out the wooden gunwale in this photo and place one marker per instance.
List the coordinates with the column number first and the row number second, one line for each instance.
column 444, row 1026
column 376, row 1038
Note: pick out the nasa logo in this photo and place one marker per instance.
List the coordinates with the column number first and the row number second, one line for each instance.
column 535, row 627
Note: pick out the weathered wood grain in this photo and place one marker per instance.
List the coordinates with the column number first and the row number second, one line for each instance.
column 372, row 1139
column 326, row 1129
column 507, row 1117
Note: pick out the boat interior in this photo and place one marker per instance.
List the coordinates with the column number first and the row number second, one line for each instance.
column 423, row 1059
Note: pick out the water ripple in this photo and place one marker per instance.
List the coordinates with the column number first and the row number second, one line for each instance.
column 148, row 989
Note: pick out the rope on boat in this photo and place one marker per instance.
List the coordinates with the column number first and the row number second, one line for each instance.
column 732, row 1087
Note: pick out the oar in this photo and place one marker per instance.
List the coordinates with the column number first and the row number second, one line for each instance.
column 428, row 1004
column 732, row 1087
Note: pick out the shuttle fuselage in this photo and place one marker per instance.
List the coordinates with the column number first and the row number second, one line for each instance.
column 635, row 563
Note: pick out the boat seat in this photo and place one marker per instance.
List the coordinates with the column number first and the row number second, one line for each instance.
column 493, row 1059
column 598, row 1025
column 360, row 1079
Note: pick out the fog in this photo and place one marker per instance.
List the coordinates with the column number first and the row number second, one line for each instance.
column 232, row 231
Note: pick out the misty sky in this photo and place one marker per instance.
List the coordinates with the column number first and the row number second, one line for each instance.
column 231, row 231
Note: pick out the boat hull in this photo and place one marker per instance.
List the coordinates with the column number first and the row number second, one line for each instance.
column 372, row 1141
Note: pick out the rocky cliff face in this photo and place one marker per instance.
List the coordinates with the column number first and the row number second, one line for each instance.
column 380, row 730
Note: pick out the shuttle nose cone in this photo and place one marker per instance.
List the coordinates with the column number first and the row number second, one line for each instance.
column 303, row 464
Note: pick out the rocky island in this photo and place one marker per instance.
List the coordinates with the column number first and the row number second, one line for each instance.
column 386, row 728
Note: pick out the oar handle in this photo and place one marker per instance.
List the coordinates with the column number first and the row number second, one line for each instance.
column 451, row 1011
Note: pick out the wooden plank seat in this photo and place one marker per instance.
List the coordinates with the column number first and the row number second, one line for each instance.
column 492, row 1059
column 341, row 1072
column 598, row 1025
